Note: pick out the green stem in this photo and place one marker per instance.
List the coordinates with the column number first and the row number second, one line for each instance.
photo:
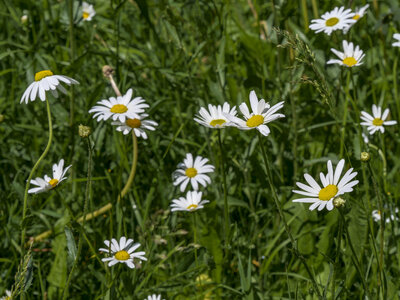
column 33, row 171
column 226, row 207
column 109, row 205
column 336, row 264
column 133, row 168
column 72, row 46
column 384, row 168
column 395, row 89
column 305, row 14
column 382, row 223
column 355, row 259
column 85, row 207
column 195, row 237
column 287, row 229
column 345, row 110
column 315, row 9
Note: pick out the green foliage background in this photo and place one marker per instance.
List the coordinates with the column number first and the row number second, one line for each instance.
column 179, row 56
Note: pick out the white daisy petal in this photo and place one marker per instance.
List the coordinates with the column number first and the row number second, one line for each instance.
column 45, row 81
column 193, row 171
column 192, row 202
column 88, row 11
column 337, row 19
column 47, row 183
column 216, row 117
column 377, row 121
column 261, row 114
column 122, row 108
column 333, row 187
column 119, row 254
column 350, row 56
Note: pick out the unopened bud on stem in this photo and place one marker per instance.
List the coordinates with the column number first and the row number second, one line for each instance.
column 84, row 131
column 107, row 71
column 339, row 202
column 365, row 157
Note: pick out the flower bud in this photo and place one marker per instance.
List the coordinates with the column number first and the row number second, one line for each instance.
column 365, row 156
column 84, row 131
column 107, row 71
column 339, row 202
column 24, row 19
column 202, row 280
column 1, row 118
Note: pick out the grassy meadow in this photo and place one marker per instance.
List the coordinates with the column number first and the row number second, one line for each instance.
column 180, row 56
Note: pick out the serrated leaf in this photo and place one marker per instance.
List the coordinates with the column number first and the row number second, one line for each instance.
column 28, row 274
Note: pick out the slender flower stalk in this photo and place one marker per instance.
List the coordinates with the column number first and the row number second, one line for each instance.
column 85, row 207
column 46, row 150
column 107, row 71
column 226, row 205
column 287, row 229
column 336, row 263
column 195, row 237
column 72, row 53
column 382, row 226
column 133, row 168
column 72, row 46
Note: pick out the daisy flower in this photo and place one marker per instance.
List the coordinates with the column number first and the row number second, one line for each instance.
column 377, row 215
column 332, row 187
column 350, row 56
column 358, row 14
column 396, row 36
column 153, row 297
column 122, row 252
column 7, row 296
column 338, row 18
column 46, row 81
column 88, row 11
column 137, row 125
column 376, row 121
column 120, row 108
column 193, row 171
column 261, row 115
column 45, row 184
column 215, row 116
column 192, row 202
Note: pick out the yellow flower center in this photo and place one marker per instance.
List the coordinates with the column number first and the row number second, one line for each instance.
column 192, row 206
column 356, row 17
column 191, row 172
column 85, row 15
column 331, row 22
column 377, row 122
column 255, row 121
column 349, row 61
column 42, row 74
column 328, row 192
column 217, row 122
column 119, row 109
column 53, row 182
column 379, row 212
column 122, row 255
column 133, row 123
